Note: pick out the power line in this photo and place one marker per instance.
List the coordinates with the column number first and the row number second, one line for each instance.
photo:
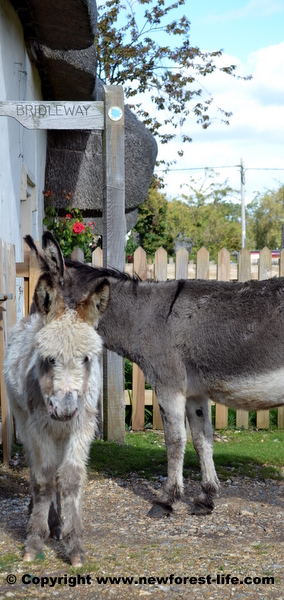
column 222, row 167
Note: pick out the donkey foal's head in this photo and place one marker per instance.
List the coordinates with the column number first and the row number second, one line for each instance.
column 67, row 345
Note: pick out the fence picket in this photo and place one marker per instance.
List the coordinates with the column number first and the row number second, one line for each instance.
column 138, row 379
column 182, row 264
column 202, row 264
column 223, row 274
column 242, row 416
column 97, row 257
column 264, row 272
column 280, row 411
column 160, row 275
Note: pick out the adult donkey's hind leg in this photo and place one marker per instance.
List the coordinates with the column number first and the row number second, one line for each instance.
column 172, row 408
column 202, row 437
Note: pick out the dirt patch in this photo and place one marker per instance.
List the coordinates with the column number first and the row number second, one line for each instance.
column 242, row 538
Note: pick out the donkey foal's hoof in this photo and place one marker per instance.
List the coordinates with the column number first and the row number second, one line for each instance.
column 160, row 509
column 77, row 561
column 29, row 556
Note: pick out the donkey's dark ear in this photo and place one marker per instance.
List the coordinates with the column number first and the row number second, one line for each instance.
column 93, row 305
column 53, row 256
column 37, row 252
column 47, row 298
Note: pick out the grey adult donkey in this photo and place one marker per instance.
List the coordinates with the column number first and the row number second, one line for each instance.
column 53, row 379
column 194, row 340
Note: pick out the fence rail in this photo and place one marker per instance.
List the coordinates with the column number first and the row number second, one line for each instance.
column 159, row 269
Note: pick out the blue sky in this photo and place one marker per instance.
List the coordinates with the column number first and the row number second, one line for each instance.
column 251, row 33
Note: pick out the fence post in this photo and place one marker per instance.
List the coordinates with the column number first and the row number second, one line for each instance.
column 223, row 274
column 114, row 230
column 264, row 272
column 138, row 379
column 160, row 275
column 242, row 416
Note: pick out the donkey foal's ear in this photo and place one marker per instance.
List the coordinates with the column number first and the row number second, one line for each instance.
column 53, row 256
column 92, row 306
column 48, row 300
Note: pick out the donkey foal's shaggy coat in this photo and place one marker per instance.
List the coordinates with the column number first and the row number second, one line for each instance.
column 53, row 378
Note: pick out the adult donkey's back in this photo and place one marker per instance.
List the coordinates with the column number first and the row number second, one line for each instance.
column 53, row 378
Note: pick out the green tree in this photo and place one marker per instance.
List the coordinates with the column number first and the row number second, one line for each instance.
column 209, row 216
column 129, row 54
column 265, row 219
column 151, row 225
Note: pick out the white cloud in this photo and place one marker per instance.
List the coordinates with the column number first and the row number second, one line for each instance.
column 256, row 132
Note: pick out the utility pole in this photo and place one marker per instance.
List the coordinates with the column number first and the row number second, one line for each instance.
column 243, row 204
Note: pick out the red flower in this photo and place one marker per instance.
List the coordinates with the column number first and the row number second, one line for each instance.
column 68, row 216
column 78, row 227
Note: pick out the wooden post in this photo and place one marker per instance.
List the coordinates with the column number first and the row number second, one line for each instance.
column 138, row 379
column 223, row 274
column 113, row 248
column 7, row 320
column 242, row 416
column 160, row 275
column 264, row 272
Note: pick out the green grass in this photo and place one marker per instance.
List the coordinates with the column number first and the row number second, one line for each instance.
column 250, row 453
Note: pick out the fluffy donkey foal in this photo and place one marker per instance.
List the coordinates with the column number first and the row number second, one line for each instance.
column 53, row 378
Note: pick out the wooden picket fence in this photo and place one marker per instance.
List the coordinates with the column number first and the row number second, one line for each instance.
column 160, row 269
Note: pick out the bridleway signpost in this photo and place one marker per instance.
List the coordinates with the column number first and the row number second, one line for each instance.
column 107, row 116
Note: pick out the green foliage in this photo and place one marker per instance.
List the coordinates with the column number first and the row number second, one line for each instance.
column 265, row 218
column 128, row 54
column 70, row 231
column 212, row 218
column 152, row 222
column 208, row 217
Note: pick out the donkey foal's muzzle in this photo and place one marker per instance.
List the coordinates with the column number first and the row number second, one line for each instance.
column 64, row 408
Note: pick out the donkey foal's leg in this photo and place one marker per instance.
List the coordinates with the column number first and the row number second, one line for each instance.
column 172, row 409
column 71, row 480
column 38, row 528
column 202, row 437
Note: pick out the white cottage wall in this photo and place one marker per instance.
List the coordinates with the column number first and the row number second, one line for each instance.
column 22, row 152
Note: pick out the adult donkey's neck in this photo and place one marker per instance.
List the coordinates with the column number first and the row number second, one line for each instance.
column 135, row 323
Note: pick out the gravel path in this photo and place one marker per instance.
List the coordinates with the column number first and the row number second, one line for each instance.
column 242, row 538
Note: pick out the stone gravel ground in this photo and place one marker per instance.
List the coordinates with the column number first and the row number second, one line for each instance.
column 243, row 537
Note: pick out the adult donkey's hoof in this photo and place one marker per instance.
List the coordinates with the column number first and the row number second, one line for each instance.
column 201, row 508
column 159, row 510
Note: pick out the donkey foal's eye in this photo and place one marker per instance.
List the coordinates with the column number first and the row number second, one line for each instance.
column 51, row 360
